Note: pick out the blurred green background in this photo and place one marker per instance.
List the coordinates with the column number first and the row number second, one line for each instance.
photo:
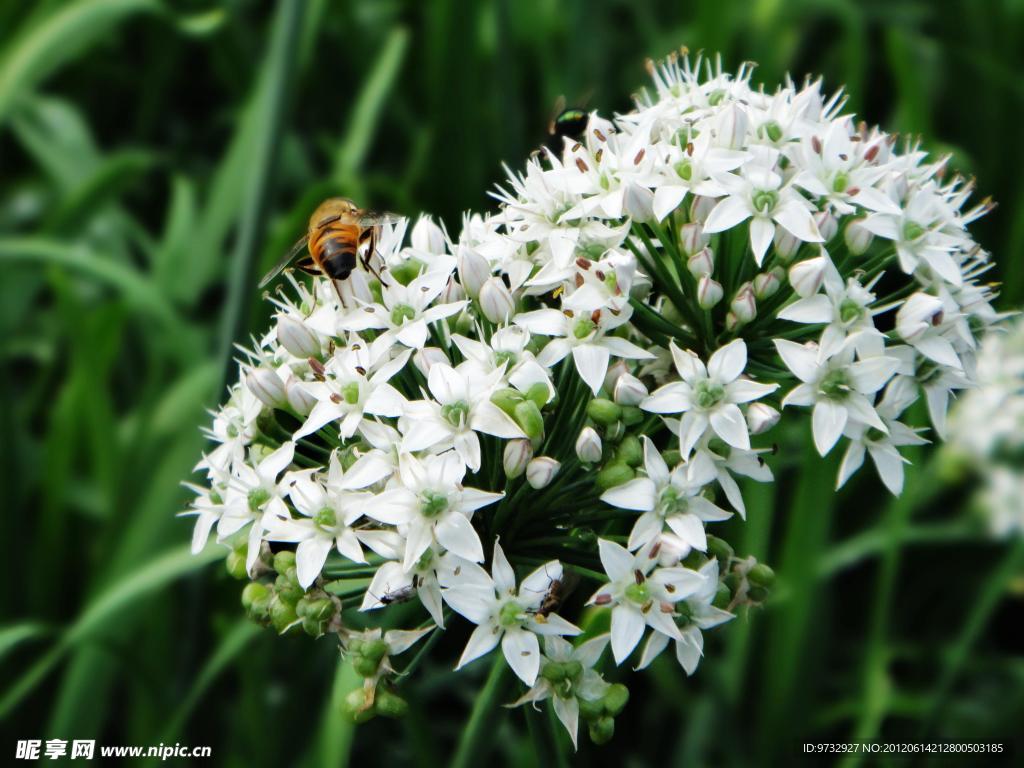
column 156, row 156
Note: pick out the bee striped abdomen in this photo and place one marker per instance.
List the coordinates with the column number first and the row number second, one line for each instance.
column 336, row 249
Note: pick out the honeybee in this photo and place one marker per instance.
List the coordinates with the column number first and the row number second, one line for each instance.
column 568, row 122
column 340, row 236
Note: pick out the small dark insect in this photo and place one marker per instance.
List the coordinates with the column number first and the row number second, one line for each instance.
column 399, row 595
column 552, row 598
column 568, row 122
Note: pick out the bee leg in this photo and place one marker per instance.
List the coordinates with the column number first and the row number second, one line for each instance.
column 365, row 257
column 337, row 290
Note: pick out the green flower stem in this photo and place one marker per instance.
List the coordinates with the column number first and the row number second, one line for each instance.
column 476, row 737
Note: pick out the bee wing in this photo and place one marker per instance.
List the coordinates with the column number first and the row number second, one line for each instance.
column 376, row 218
column 558, row 109
column 288, row 258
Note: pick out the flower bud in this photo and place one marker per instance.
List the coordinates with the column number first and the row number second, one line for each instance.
column 807, row 276
column 786, row 244
column 541, row 471
column 692, row 238
column 496, row 300
column 528, row 416
column 827, row 224
column 603, row 411
column 615, row 698
column 701, row 263
column 282, row 614
column 629, row 390
column 615, row 370
column 518, row 453
column 614, row 474
column 452, row 292
column 761, row 575
column 267, row 386
column 602, row 730
column 390, row 704
column 425, row 358
column 919, row 313
column 357, row 706
column 731, row 126
column 538, row 393
column 474, row 270
column 256, row 599
column 761, row 418
column 588, row 446
column 766, row 284
column 427, row 236
column 731, row 323
column 235, row 564
column 296, row 338
column 507, row 399
column 709, row 292
column 858, row 237
column 701, row 207
column 630, row 452
column 744, row 305
column 298, row 398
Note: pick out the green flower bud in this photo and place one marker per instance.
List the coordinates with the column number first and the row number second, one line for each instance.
column 719, row 548
column 630, row 452
column 319, row 609
column 390, row 704
column 538, row 394
column 631, row 415
column 591, row 709
column 365, row 666
column 723, row 596
column 528, row 416
column 757, row 594
column 732, row 581
column 507, row 399
column 604, row 411
column 356, row 706
column 614, row 474
column 375, row 649
column 282, row 614
column 284, row 560
column 287, row 590
column 553, row 671
column 312, row 627
column 602, row 730
column 256, row 600
column 615, row 698
column 672, row 456
column 761, row 575
column 235, row 563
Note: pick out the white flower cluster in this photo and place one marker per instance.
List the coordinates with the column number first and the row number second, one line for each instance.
column 996, row 452
column 580, row 373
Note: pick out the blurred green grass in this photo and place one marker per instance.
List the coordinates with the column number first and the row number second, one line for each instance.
column 154, row 156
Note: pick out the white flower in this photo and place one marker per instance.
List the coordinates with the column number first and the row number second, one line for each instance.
column 355, row 383
column 709, row 396
column 504, row 613
column 568, row 675
column 758, row 193
column 332, row 507
column 254, row 496
column 837, row 387
column 433, row 506
column 585, row 337
column 641, row 595
column 461, row 407
column 406, row 310
column 920, row 323
column 843, row 308
column 696, row 614
column 669, row 498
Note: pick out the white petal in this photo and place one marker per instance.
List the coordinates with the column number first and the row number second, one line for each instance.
column 616, row 561
column 798, row 221
column 666, row 199
column 800, row 359
column 540, row 581
column 690, row 529
column 522, row 651
column 488, row 418
column 762, row 231
column 853, row 459
column 638, row 494
column 889, row 464
column 310, row 556
column 502, row 573
column 458, row 535
column 482, row 641
column 728, row 362
column 568, row 713
column 592, row 364
column 627, row 628
column 671, row 398
column 813, row 309
column 744, row 390
column 655, row 644
column 473, row 603
column 729, row 212
column 828, row 421
column 728, row 422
